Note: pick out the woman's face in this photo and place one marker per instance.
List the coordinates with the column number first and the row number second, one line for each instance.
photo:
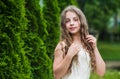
column 72, row 22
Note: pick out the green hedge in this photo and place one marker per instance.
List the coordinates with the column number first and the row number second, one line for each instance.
column 23, row 52
column 13, row 61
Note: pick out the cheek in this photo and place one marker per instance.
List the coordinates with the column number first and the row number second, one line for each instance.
column 67, row 25
column 67, row 28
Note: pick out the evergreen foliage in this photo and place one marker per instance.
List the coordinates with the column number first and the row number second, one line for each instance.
column 13, row 61
column 62, row 3
column 51, row 15
column 36, row 33
column 23, row 53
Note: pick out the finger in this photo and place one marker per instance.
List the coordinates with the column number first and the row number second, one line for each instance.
column 90, row 40
column 78, row 48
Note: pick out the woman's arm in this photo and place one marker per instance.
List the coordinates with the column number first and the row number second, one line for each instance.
column 61, row 65
column 100, row 64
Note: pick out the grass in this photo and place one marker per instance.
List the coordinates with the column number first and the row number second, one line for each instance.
column 110, row 74
column 109, row 51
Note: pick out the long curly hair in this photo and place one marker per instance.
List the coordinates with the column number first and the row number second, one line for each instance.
column 65, row 35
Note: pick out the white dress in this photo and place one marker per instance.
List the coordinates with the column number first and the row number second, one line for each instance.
column 80, row 69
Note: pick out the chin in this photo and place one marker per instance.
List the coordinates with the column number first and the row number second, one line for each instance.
column 73, row 33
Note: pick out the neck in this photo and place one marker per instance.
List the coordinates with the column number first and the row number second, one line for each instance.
column 76, row 38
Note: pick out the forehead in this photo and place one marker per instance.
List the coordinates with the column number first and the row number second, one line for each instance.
column 71, row 14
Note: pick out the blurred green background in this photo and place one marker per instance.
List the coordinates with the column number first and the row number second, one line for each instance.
column 29, row 32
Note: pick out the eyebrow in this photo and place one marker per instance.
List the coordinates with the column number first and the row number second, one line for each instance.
column 73, row 18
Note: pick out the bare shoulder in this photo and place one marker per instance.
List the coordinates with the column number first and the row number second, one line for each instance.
column 58, row 50
column 60, row 45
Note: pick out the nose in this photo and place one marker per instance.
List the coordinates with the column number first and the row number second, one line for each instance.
column 71, row 23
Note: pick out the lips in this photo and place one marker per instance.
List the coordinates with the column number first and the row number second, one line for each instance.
column 72, row 28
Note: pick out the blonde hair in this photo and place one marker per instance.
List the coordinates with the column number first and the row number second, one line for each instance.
column 65, row 35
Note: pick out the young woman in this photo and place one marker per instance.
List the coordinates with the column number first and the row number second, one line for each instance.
column 76, row 54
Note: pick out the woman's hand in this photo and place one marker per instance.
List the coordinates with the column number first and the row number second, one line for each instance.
column 92, row 40
column 73, row 49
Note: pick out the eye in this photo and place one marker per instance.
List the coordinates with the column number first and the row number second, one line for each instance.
column 67, row 20
column 76, row 19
